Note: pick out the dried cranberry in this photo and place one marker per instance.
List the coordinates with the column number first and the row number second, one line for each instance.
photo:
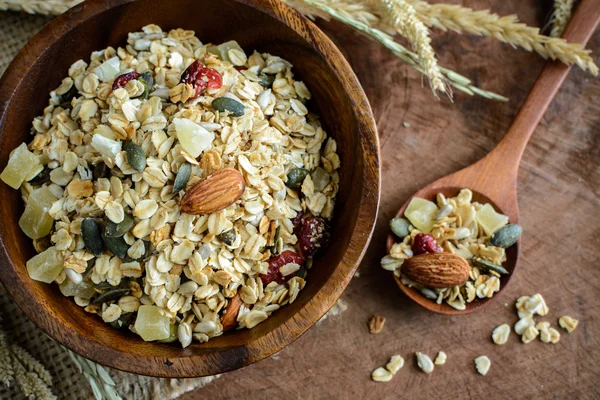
column 276, row 263
column 424, row 243
column 297, row 222
column 195, row 73
column 122, row 80
column 312, row 236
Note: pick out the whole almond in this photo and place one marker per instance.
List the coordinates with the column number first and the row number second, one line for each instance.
column 229, row 317
column 437, row 270
column 215, row 192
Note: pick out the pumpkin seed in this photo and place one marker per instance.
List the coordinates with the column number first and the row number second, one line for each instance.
column 182, row 178
column 101, row 170
column 295, row 177
column 114, row 230
column 111, row 295
column 320, row 178
column 276, row 238
column 507, row 236
column 102, row 286
column 488, row 265
column 91, row 236
column 42, row 177
column 65, row 98
column 266, row 80
column 148, row 82
column 172, row 334
column 124, row 321
column 400, row 227
column 135, row 156
column 234, row 107
column 228, row 237
column 117, row 245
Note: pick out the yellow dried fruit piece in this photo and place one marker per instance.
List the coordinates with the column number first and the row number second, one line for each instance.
column 46, row 266
column 150, row 324
column 35, row 221
column 490, row 220
column 20, row 164
column 421, row 214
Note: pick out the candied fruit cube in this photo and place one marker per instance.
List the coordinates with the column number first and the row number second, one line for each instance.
column 490, row 220
column 20, row 164
column 421, row 214
column 35, row 221
column 150, row 324
column 46, row 266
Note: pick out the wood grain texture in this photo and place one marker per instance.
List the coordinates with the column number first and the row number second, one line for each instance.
column 96, row 24
column 559, row 197
column 493, row 179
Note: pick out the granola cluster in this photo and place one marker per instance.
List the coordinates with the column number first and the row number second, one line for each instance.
column 125, row 136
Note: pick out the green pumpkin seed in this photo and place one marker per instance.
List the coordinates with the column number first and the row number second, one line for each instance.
column 506, row 237
column 135, row 156
column 65, row 99
column 228, row 237
column 117, row 245
column 274, row 249
column 103, row 286
column 113, row 230
column 41, row 178
column 101, row 170
column 148, row 82
column 182, row 178
column 111, row 295
column 223, row 104
column 172, row 334
column 295, row 177
column 91, row 236
column 488, row 265
column 400, row 227
column 266, row 80
column 124, row 321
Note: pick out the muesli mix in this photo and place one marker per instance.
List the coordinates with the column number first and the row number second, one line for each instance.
column 175, row 188
column 451, row 250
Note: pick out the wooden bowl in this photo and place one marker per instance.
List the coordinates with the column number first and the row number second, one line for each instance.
column 268, row 26
column 512, row 254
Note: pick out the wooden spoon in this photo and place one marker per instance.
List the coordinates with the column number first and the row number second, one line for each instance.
column 493, row 179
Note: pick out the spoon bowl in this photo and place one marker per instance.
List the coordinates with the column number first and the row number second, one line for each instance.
column 493, row 179
column 512, row 253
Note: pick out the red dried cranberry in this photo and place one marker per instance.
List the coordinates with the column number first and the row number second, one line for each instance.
column 122, row 80
column 312, row 236
column 194, row 75
column 276, row 263
column 424, row 243
column 297, row 222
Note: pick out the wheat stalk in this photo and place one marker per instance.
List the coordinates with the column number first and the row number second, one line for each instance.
column 402, row 18
column 100, row 381
column 454, row 79
column 561, row 16
column 46, row 7
column 507, row 29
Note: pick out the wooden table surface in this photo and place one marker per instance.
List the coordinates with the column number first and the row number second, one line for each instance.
column 559, row 199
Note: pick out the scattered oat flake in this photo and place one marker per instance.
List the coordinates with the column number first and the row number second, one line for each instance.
column 568, row 323
column 441, row 358
column 501, row 333
column 424, row 362
column 395, row 364
column 376, row 323
column 381, row 375
column 482, row 364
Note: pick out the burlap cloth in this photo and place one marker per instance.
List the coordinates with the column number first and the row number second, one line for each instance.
column 15, row 30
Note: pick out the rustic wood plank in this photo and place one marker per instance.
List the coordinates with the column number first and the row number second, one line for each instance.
column 559, row 198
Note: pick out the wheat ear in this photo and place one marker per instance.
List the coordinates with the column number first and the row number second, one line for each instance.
column 561, row 16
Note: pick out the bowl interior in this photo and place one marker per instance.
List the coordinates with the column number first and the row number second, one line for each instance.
column 443, row 308
column 337, row 98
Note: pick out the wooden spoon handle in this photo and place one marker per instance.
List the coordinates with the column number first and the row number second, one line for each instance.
column 511, row 147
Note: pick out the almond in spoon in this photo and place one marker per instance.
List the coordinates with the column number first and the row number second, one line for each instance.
column 217, row 191
column 437, row 270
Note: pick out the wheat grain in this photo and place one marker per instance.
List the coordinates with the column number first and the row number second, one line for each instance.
column 506, row 29
column 402, row 17
column 561, row 16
